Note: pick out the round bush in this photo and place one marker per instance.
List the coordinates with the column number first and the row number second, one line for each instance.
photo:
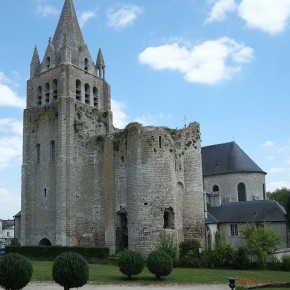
column 159, row 263
column 70, row 270
column 130, row 263
column 15, row 271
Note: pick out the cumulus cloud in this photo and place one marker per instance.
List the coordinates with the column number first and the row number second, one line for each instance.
column 277, row 170
column 8, row 97
column 267, row 15
column 268, row 144
column 220, row 9
column 86, row 16
column 44, row 10
column 10, row 203
column 123, row 16
column 120, row 118
column 208, row 63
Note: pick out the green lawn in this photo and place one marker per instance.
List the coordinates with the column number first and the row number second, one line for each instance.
column 111, row 274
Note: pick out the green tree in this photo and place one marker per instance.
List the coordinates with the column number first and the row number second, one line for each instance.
column 261, row 240
column 280, row 195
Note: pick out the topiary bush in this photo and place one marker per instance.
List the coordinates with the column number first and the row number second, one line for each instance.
column 15, row 271
column 70, row 270
column 130, row 263
column 159, row 263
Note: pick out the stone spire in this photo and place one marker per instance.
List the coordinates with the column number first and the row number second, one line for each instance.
column 35, row 63
column 68, row 25
column 100, row 65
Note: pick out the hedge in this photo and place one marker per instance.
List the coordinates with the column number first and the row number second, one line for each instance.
column 50, row 252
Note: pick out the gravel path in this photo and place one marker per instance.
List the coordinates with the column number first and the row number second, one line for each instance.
column 52, row 286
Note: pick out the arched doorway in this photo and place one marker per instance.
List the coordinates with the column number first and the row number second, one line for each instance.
column 45, row 242
column 122, row 230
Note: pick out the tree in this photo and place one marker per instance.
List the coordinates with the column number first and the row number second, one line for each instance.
column 130, row 263
column 261, row 240
column 280, row 195
column 70, row 270
column 15, row 271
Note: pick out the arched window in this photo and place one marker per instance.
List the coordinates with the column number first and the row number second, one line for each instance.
column 215, row 188
column 45, row 242
column 241, row 192
column 168, row 218
column 78, row 90
column 52, row 150
column 54, row 89
column 39, row 95
column 37, row 153
column 95, row 93
column 47, row 88
column 86, row 63
column 87, row 94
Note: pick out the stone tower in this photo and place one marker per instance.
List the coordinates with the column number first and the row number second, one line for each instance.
column 85, row 182
column 68, row 99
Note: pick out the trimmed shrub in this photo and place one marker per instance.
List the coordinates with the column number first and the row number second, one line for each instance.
column 70, row 270
column 159, row 263
column 130, row 263
column 15, row 271
column 189, row 245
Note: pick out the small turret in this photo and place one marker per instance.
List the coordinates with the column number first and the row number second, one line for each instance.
column 35, row 64
column 100, row 65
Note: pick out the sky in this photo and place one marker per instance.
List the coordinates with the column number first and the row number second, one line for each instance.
column 221, row 63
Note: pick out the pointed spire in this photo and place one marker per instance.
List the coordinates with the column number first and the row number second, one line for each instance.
column 100, row 63
column 35, row 57
column 68, row 24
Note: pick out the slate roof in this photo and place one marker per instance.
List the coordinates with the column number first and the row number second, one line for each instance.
column 226, row 158
column 7, row 224
column 247, row 211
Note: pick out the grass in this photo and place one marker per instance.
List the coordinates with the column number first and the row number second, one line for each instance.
column 110, row 274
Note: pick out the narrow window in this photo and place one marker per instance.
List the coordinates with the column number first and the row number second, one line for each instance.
column 215, row 188
column 78, row 90
column 86, row 63
column 48, row 62
column 47, row 88
column 38, row 154
column 87, row 94
column 54, row 89
column 234, row 230
column 241, row 192
column 52, row 150
column 168, row 218
column 160, row 144
column 45, row 193
column 264, row 191
column 95, row 93
column 39, row 95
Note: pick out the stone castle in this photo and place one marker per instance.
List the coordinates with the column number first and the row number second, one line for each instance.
column 85, row 182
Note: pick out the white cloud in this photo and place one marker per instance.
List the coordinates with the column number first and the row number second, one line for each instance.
column 220, row 9
column 10, row 204
column 272, row 186
column 85, row 17
column 45, row 10
column 124, row 16
column 8, row 97
column 207, row 63
column 277, row 170
column 120, row 118
column 268, row 144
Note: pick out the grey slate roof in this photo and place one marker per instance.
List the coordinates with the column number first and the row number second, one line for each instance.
column 226, row 158
column 68, row 26
column 247, row 211
column 7, row 224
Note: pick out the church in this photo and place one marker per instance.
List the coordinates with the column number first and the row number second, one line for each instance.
column 85, row 182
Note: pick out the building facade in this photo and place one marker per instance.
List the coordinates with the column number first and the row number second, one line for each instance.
column 85, row 182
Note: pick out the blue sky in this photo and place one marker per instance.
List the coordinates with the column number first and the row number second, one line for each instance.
column 222, row 63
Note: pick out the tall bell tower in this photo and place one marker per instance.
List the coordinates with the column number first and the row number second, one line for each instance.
column 68, row 101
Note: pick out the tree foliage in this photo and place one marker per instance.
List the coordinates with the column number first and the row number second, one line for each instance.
column 130, row 263
column 281, row 195
column 15, row 271
column 70, row 270
column 261, row 240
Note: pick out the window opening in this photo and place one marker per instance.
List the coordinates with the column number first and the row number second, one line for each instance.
column 168, row 218
column 38, row 154
column 47, row 88
column 44, row 192
column 39, row 95
column 241, row 192
column 234, row 230
column 52, row 150
column 160, row 144
column 86, row 62
column 54, row 89
column 45, row 242
column 122, row 230
column 215, row 188
column 78, row 90
column 48, row 62
column 87, row 94
column 95, row 93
